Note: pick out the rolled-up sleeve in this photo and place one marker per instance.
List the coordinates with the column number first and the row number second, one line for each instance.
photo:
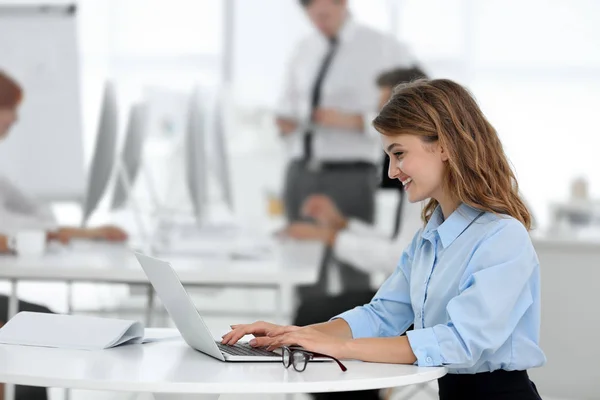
column 494, row 295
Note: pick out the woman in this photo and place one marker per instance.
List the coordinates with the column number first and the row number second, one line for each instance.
column 470, row 279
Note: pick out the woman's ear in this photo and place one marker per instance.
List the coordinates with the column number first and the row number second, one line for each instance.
column 443, row 153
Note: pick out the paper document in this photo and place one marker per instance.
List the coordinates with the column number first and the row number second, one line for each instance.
column 70, row 331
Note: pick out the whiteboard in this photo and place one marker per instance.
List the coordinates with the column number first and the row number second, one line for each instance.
column 43, row 153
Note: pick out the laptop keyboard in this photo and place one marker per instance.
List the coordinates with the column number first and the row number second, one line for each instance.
column 244, row 349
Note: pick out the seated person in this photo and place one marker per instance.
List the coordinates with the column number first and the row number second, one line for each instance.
column 354, row 242
column 19, row 211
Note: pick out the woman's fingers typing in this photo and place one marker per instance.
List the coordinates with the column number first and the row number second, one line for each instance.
column 259, row 328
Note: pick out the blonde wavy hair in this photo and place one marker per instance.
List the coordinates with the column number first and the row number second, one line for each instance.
column 478, row 172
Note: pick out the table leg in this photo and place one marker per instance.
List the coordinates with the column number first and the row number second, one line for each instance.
column 13, row 308
column 409, row 392
column 149, row 306
column 69, row 297
column 13, row 302
column 9, row 392
column 69, row 311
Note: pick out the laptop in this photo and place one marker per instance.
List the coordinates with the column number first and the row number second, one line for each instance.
column 188, row 321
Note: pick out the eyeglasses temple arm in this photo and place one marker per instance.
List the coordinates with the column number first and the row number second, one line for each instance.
column 342, row 366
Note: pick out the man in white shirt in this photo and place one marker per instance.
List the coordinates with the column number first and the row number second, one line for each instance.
column 328, row 102
column 352, row 240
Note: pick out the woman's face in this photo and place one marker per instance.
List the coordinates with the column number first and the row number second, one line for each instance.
column 8, row 117
column 418, row 165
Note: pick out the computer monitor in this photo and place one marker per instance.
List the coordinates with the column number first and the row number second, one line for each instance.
column 131, row 155
column 220, row 161
column 104, row 153
column 195, row 155
column 205, row 151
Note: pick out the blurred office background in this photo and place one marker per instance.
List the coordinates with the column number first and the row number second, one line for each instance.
column 534, row 66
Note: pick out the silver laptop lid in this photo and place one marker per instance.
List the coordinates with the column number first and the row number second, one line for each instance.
column 180, row 307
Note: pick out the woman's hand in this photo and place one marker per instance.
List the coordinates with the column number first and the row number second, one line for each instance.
column 307, row 337
column 274, row 336
column 258, row 329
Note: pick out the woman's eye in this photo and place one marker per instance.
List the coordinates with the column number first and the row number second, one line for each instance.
column 399, row 154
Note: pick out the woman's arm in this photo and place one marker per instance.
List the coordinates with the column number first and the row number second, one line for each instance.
column 394, row 350
column 337, row 327
column 389, row 314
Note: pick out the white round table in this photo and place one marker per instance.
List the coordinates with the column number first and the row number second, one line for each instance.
column 170, row 368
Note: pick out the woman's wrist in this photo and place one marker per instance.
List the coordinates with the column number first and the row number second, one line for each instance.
column 346, row 351
column 337, row 327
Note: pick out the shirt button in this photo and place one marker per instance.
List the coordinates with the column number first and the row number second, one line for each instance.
column 418, row 314
column 429, row 359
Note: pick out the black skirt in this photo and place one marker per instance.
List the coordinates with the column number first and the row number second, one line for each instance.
column 497, row 385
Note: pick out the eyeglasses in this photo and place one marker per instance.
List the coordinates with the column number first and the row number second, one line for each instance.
column 299, row 358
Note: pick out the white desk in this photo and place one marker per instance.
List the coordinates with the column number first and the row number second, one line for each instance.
column 294, row 263
column 170, row 369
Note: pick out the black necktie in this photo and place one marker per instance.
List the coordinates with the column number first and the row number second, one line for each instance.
column 316, row 95
column 398, row 221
